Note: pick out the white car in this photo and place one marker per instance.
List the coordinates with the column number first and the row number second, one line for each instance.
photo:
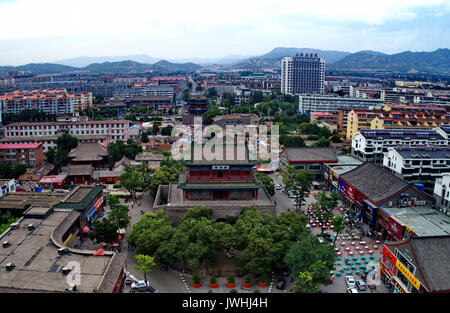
column 279, row 187
column 352, row 290
column 140, row 284
column 350, row 281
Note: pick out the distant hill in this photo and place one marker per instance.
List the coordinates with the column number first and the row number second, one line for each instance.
column 166, row 66
column 437, row 61
column 39, row 68
column 273, row 58
column 85, row 61
column 122, row 67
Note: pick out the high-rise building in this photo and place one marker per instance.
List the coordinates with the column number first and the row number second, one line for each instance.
column 302, row 74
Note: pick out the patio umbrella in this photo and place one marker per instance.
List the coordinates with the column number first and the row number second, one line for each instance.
column 85, row 230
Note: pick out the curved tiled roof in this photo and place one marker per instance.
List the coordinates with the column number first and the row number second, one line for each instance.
column 374, row 182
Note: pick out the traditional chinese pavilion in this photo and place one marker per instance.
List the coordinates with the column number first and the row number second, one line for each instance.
column 196, row 107
column 229, row 177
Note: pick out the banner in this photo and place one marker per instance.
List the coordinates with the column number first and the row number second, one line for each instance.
column 408, row 275
column 395, row 229
column 341, row 187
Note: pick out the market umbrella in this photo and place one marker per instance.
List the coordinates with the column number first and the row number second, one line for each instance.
column 85, row 230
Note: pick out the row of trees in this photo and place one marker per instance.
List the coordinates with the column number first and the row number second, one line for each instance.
column 118, row 149
column 263, row 241
column 9, row 172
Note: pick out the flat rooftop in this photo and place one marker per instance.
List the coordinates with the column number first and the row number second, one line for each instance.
column 422, row 220
column 37, row 263
column 18, row 200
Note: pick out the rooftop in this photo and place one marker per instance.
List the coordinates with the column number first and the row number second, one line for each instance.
column 18, row 200
column 374, row 182
column 307, row 154
column 423, row 220
column 19, row 145
column 37, row 263
column 88, row 151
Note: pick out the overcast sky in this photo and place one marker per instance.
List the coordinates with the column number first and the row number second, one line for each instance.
column 51, row 30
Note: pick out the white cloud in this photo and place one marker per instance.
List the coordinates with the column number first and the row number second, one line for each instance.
column 46, row 18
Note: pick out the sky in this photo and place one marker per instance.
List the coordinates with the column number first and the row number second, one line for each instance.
column 35, row 31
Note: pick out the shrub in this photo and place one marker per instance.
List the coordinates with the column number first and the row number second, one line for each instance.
column 256, row 290
column 233, row 291
column 263, row 278
column 230, row 279
column 247, row 279
column 196, row 279
column 213, row 280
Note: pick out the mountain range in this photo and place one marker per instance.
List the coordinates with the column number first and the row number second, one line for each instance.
column 437, row 62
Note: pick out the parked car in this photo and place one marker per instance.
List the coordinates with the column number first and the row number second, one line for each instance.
column 279, row 187
column 322, row 291
column 281, row 283
column 350, row 281
column 152, row 290
column 140, row 285
column 129, row 281
column 361, row 285
column 352, row 290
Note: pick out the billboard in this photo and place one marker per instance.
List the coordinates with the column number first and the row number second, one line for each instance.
column 341, row 187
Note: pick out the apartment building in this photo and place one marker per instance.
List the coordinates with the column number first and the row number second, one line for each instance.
column 336, row 105
column 57, row 102
column 418, row 165
column 396, row 118
column 302, row 74
column 152, row 90
column 103, row 131
column 26, row 154
column 442, row 193
column 371, row 145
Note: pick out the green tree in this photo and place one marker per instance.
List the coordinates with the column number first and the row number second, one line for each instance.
column 338, row 226
column 267, row 182
column 167, row 131
column 132, row 180
column 305, row 283
column 198, row 212
column 323, row 209
column 322, row 142
column 104, row 231
column 298, row 180
column 66, row 142
column 144, row 137
column 145, row 263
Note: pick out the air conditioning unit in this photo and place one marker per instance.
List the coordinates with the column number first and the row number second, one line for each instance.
column 30, row 227
column 14, row 225
column 9, row 266
column 5, row 244
column 63, row 250
column 66, row 270
column 390, row 204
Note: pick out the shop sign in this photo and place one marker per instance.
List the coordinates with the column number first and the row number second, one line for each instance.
column 341, row 187
column 408, row 275
column 395, row 229
column 351, row 193
column 391, row 257
column 396, row 284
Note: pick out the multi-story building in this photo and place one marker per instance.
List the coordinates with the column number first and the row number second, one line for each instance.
column 111, row 130
column 416, row 265
column 196, row 107
column 152, row 90
column 418, row 165
column 26, row 154
column 442, row 193
column 58, row 102
column 336, row 105
column 371, row 145
column 396, row 118
column 302, row 74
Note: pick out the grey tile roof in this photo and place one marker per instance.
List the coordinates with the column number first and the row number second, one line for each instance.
column 305, row 154
column 89, row 151
column 413, row 153
column 375, row 182
column 433, row 257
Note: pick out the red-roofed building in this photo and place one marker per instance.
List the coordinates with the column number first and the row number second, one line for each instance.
column 26, row 154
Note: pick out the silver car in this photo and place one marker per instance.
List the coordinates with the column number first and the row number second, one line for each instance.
column 350, row 281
